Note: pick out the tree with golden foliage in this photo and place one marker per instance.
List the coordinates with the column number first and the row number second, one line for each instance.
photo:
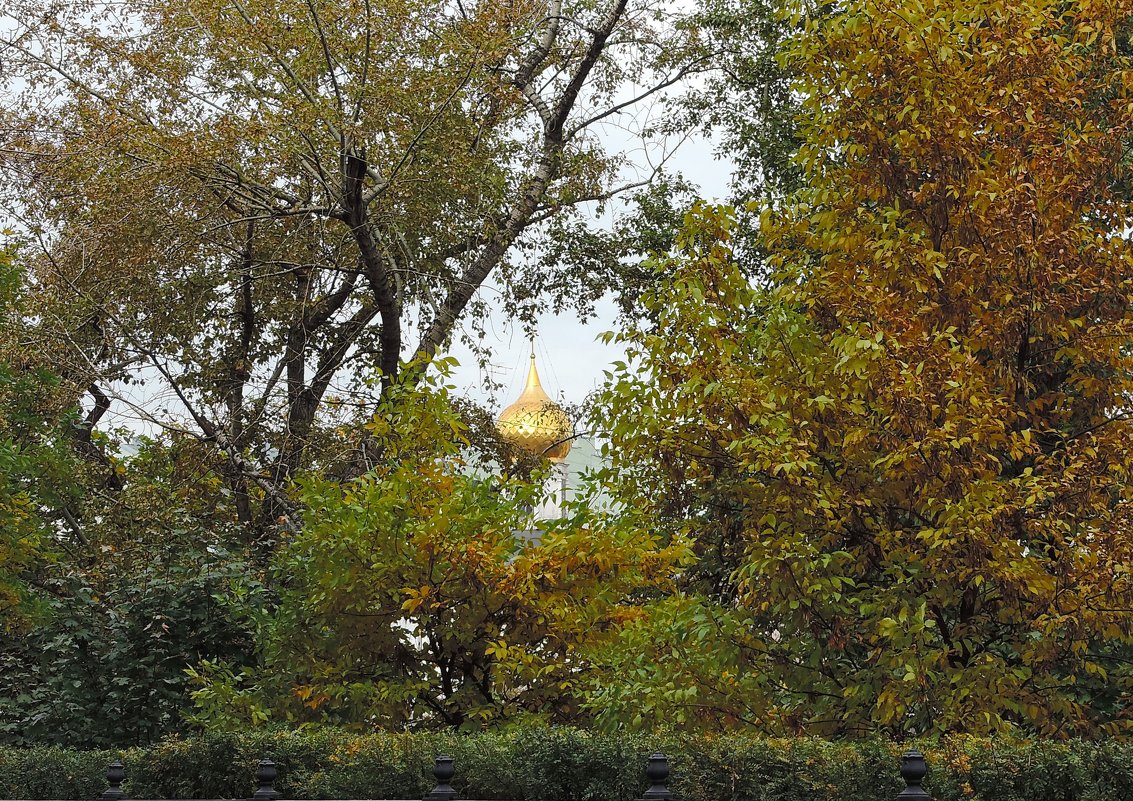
column 427, row 593
column 905, row 459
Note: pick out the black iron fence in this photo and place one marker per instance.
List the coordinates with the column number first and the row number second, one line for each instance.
column 913, row 770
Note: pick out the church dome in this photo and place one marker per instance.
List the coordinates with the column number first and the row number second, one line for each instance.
column 535, row 422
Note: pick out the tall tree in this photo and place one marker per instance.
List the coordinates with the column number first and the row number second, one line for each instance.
column 252, row 208
column 911, row 455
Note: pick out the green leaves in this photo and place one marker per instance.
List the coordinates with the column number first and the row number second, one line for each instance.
column 36, row 466
column 105, row 666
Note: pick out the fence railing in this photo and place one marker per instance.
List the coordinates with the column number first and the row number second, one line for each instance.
column 913, row 770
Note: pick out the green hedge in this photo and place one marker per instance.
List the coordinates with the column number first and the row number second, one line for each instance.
column 550, row 764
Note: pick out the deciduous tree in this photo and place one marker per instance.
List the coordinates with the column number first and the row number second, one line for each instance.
column 426, row 593
column 911, row 454
column 247, row 206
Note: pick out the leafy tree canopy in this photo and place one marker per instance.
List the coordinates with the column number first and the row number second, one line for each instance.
column 36, row 488
column 427, row 592
column 253, row 208
column 905, row 463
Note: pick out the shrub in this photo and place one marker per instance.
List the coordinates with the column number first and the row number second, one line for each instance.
column 562, row 764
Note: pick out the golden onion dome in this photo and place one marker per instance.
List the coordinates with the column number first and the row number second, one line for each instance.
column 535, row 422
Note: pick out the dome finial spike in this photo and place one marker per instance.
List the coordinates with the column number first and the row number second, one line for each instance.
column 533, row 382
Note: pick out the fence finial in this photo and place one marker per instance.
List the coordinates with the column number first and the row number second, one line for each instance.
column 657, row 771
column 443, row 771
column 266, row 775
column 913, row 770
column 115, row 775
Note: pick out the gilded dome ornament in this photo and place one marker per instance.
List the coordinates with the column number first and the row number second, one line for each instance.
column 535, row 422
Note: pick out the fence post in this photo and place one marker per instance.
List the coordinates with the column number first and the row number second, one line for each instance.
column 913, row 770
column 115, row 774
column 443, row 771
column 266, row 774
column 657, row 771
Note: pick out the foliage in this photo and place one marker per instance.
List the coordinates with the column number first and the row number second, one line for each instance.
column 427, row 592
column 905, row 464
column 747, row 102
column 558, row 764
column 151, row 589
column 241, row 216
column 106, row 668
column 255, row 207
column 34, row 462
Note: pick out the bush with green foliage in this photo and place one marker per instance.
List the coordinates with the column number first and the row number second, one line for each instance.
column 106, row 665
column 158, row 583
column 564, row 764
column 36, row 467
